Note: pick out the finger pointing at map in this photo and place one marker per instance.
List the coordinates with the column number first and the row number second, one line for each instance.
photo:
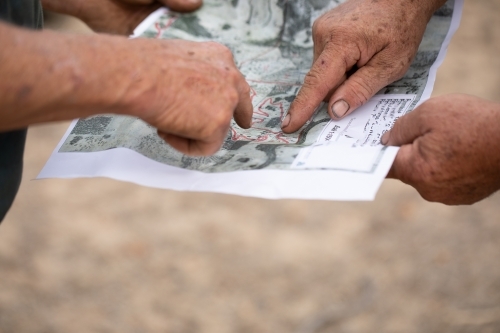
column 359, row 47
column 205, row 91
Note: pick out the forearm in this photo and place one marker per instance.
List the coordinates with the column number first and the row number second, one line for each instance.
column 47, row 76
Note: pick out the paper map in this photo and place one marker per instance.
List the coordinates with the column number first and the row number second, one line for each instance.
column 272, row 46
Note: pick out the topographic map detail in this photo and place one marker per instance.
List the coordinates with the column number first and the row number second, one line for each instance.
column 272, row 45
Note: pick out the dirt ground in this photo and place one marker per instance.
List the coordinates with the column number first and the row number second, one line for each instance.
column 97, row 255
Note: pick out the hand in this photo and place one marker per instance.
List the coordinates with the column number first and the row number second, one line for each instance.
column 116, row 16
column 189, row 91
column 359, row 47
column 450, row 149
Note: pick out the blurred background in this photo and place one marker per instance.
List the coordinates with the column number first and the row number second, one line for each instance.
column 97, row 255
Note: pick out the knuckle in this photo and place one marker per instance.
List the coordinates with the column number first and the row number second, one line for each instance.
column 314, row 79
column 234, row 75
column 245, row 89
column 299, row 102
column 209, row 131
column 312, row 76
column 218, row 120
column 341, row 36
column 318, row 26
column 208, row 149
column 361, row 91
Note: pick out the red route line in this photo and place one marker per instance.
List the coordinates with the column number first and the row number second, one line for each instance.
column 263, row 137
column 258, row 55
column 160, row 29
column 253, row 93
column 235, row 136
column 269, row 101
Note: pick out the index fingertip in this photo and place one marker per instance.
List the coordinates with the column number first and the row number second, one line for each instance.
column 385, row 138
column 289, row 123
column 183, row 6
column 244, row 113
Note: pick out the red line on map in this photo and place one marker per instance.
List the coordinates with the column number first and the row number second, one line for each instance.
column 160, row 29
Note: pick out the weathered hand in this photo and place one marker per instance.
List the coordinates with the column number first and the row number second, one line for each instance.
column 359, row 47
column 116, row 16
column 450, row 149
column 189, row 91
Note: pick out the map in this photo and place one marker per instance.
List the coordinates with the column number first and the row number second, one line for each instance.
column 271, row 41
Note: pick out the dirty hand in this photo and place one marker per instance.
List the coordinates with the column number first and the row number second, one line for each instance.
column 116, row 16
column 450, row 149
column 359, row 47
column 189, row 91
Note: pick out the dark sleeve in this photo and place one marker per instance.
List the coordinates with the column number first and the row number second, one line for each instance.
column 25, row 13
column 28, row 14
column 11, row 167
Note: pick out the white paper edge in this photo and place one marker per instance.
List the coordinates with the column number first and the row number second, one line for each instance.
column 122, row 164
column 148, row 21
column 454, row 25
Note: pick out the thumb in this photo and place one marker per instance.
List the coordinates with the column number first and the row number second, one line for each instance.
column 357, row 90
column 402, row 167
column 182, row 6
column 405, row 130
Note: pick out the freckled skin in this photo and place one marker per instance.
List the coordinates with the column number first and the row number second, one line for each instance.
column 450, row 145
column 376, row 38
column 450, row 149
column 189, row 91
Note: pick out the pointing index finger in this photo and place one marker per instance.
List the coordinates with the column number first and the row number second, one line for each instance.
column 244, row 109
column 325, row 74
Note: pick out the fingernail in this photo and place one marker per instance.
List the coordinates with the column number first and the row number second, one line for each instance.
column 385, row 138
column 340, row 108
column 285, row 121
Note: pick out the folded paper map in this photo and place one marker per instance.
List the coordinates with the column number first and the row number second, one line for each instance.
column 272, row 46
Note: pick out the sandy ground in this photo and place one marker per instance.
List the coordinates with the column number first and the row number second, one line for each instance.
column 97, row 255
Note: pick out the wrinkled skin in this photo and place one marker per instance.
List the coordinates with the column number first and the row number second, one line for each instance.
column 189, row 91
column 450, row 149
column 116, row 16
column 192, row 100
column 204, row 90
column 359, row 47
